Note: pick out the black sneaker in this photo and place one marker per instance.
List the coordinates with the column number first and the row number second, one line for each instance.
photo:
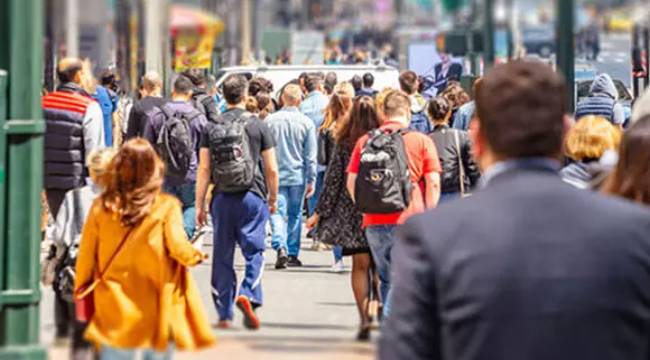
column 294, row 262
column 282, row 260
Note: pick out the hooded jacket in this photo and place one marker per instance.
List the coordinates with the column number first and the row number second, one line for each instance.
column 602, row 101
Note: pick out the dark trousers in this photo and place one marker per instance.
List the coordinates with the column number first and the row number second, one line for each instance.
column 238, row 219
column 55, row 198
column 68, row 326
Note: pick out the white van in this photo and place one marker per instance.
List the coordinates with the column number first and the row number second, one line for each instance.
column 279, row 75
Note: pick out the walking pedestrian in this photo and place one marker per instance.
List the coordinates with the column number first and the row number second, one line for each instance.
column 265, row 105
column 462, row 118
column 588, row 144
column 602, row 101
column 409, row 83
column 295, row 136
column 357, row 84
column 313, row 106
column 460, row 173
column 245, row 193
column 74, row 127
column 337, row 110
column 330, row 82
column 142, row 111
column 631, row 178
column 528, row 267
column 134, row 257
column 175, row 130
column 336, row 218
column 456, row 96
column 66, row 236
column 201, row 100
column 368, row 82
column 392, row 150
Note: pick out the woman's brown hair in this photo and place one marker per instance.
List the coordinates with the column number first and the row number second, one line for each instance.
column 339, row 105
column 133, row 181
column 265, row 105
column 362, row 118
column 631, row 178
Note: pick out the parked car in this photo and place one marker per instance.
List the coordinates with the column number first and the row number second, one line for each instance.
column 539, row 40
column 279, row 75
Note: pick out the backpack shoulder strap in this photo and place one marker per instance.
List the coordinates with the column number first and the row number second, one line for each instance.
column 169, row 113
column 76, row 207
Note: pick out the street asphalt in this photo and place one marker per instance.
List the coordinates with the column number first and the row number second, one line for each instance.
column 309, row 313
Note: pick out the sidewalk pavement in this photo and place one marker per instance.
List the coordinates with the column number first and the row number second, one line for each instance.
column 309, row 313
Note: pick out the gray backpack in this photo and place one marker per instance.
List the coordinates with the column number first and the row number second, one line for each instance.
column 233, row 168
column 174, row 142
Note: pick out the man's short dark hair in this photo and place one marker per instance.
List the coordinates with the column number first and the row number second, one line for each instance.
column 196, row 76
column 368, row 80
column 70, row 69
column 356, row 82
column 312, row 82
column 183, row 85
column 235, row 89
column 521, row 107
column 408, row 82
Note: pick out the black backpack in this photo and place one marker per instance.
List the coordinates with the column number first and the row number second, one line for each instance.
column 383, row 183
column 233, row 167
column 200, row 103
column 174, row 142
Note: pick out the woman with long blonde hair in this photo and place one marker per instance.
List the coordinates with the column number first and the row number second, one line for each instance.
column 337, row 109
column 133, row 263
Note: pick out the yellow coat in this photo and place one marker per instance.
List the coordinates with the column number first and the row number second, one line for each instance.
column 147, row 297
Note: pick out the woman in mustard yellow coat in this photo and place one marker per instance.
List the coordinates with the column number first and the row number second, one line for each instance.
column 146, row 299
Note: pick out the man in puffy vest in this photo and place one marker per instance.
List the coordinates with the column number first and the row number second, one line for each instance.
column 602, row 101
column 74, row 128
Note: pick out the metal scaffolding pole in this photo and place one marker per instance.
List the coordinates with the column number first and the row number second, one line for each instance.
column 566, row 46
column 21, row 177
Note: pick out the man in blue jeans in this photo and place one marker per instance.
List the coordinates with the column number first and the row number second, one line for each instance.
column 181, row 187
column 295, row 138
column 424, row 167
column 239, row 215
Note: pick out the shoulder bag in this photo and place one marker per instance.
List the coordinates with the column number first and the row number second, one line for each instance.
column 84, row 300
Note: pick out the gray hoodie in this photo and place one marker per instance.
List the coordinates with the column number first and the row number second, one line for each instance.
column 604, row 86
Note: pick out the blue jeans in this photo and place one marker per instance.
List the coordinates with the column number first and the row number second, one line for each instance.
column 111, row 353
column 186, row 194
column 286, row 223
column 318, row 189
column 338, row 253
column 381, row 239
column 450, row 196
column 238, row 219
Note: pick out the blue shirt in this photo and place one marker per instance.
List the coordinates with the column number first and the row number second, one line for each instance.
column 295, row 138
column 314, row 108
column 464, row 116
column 108, row 103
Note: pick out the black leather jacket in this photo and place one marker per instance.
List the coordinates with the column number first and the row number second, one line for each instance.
column 444, row 138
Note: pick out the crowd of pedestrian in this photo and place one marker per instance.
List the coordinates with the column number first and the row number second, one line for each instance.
column 515, row 184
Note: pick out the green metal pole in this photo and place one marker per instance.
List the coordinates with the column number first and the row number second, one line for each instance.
column 21, row 35
column 488, row 13
column 566, row 46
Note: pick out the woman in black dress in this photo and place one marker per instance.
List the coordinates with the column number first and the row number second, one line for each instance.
column 337, row 220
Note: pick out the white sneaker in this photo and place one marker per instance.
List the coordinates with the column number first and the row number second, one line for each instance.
column 338, row 267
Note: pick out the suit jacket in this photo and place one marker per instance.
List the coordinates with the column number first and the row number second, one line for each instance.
column 528, row 268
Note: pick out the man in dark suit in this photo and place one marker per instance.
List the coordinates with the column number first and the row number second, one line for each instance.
column 528, row 267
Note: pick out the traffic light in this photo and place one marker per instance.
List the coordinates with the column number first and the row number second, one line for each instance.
column 453, row 5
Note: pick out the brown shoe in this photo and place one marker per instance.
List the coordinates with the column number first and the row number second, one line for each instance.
column 251, row 321
column 223, row 324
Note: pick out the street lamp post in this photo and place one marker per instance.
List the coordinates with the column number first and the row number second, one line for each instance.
column 565, row 46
